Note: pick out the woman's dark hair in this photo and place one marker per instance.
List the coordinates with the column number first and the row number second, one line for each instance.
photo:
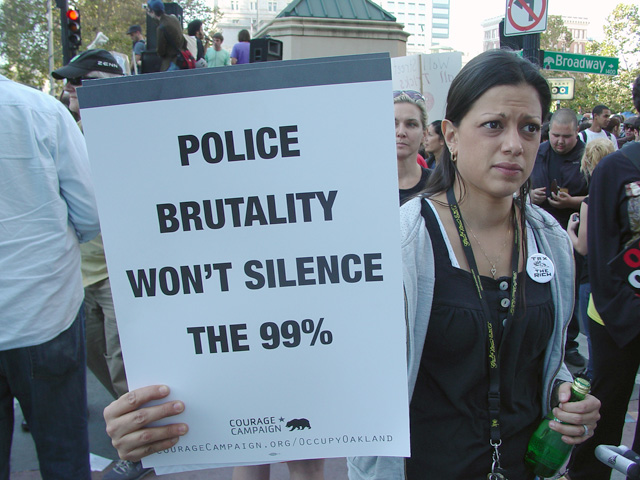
column 194, row 27
column 613, row 123
column 243, row 36
column 437, row 127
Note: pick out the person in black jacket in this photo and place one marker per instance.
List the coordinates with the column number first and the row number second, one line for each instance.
column 558, row 186
column 613, row 225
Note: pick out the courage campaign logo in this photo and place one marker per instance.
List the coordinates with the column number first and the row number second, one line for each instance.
column 260, row 425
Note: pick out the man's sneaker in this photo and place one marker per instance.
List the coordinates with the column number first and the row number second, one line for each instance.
column 126, row 470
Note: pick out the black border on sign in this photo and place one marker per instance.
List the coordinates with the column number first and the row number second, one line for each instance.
column 251, row 77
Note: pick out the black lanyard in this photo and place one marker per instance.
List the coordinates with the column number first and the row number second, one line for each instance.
column 491, row 322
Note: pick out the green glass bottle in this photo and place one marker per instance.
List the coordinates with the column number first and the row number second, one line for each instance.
column 547, row 452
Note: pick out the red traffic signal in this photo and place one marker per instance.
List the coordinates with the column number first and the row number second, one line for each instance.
column 73, row 29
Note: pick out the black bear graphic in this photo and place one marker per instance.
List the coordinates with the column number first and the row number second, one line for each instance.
column 298, row 424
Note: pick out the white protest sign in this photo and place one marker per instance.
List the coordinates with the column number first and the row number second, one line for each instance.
column 429, row 74
column 251, row 227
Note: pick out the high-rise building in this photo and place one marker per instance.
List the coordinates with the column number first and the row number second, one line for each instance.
column 426, row 20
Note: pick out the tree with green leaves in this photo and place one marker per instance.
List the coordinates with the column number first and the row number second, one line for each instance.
column 24, row 41
column 24, row 35
column 557, row 37
column 622, row 40
column 200, row 10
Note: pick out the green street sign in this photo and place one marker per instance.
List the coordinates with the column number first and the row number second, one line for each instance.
column 571, row 62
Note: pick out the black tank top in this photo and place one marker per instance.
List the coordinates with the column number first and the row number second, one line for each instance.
column 449, row 407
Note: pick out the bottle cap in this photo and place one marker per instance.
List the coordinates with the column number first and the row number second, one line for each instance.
column 581, row 385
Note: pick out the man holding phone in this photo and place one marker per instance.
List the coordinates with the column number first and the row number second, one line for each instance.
column 558, row 186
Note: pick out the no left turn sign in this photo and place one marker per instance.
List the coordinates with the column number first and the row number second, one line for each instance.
column 525, row 16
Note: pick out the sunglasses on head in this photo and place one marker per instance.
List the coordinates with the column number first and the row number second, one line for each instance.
column 412, row 94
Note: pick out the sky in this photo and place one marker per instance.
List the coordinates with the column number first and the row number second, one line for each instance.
column 466, row 16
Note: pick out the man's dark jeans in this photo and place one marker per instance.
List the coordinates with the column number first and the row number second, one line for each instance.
column 49, row 381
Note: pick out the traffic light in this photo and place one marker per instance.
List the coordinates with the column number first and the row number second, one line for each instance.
column 73, row 29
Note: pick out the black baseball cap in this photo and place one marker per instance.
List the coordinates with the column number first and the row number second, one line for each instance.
column 134, row 28
column 631, row 120
column 86, row 62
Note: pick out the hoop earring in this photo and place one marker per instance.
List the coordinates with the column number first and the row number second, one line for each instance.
column 454, row 157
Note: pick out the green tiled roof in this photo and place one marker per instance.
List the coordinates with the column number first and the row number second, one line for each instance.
column 345, row 9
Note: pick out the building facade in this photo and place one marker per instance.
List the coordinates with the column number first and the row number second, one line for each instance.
column 249, row 15
column 426, row 21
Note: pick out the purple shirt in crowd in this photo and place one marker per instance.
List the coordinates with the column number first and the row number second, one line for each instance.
column 241, row 52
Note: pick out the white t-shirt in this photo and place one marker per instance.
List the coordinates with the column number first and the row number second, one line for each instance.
column 601, row 134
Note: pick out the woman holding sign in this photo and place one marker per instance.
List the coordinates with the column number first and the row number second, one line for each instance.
column 489, row 290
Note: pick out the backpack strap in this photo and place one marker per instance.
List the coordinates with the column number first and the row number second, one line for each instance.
column 583, row 136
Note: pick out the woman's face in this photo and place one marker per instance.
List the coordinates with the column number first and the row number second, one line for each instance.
column 497, row 140
column 434, row 143
column 409, row 132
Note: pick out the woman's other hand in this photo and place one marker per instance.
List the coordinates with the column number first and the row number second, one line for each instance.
column 580, row 418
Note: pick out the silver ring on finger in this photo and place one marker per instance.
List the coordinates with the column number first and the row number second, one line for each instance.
column 586, row 431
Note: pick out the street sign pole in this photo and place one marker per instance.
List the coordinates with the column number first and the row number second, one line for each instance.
column 524, row 21
column 531, row 48
column 63, row 5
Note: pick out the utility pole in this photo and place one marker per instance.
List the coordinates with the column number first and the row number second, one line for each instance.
column 50, row 44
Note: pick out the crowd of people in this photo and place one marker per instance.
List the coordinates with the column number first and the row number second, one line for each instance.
column 480, row 197
column 171, row 41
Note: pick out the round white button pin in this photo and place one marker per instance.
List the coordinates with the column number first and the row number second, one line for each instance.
column 540, row 268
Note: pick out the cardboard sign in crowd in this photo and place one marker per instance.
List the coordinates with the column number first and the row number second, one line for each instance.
column 251, row 229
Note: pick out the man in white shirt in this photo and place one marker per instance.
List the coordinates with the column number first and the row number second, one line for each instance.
column 601, row 114
column 47, row 207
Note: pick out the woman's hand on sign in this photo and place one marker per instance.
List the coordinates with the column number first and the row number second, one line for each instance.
column 127, row 422
column 580, row 418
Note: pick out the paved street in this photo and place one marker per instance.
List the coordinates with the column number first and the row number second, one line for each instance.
column 24, row 464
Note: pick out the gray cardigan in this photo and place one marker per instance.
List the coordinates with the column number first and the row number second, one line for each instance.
column 419, row 279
